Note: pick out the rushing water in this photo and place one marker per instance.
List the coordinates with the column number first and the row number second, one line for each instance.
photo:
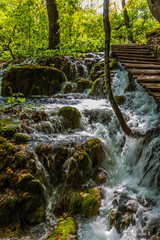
column 126, row 159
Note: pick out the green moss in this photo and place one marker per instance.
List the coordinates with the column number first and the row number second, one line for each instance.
column 24, row 180
column 91, row 203
column 83, row 161
column 71, row 116
column 120, row 100
column 65, row 229
column 95, row 150
column 130, row 87
column 93, row 87
column 75, row 203
column 114, row 64
column 20, row 138
column 37, row 216
column 7, row 132
column 98, row 66
column 82, row 85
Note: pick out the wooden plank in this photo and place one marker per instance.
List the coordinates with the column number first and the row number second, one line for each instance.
column 156, row 94
column 149, row 77
column 129, row 52
column 139, row 62
column 141, row 66
column 144, row 72
column 139, row 59
column 155, row 87
column 135, row 55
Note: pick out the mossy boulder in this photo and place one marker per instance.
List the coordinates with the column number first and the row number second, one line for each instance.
column 33, row 80
column 20, row 138
column 98, row 66
column 78, row 169
column 114, row 64
column 9, row 211
column 98, row 88
column 75, row 203
column 130, row 87
column 53, row 159
column 83, row 202
column 66, row 229
column 120, row 100
column 61, row 63
column 94, row 149
column 71, row 117
column 91, row 203
column 96, row 74
column 82, row 85
column 7, row 132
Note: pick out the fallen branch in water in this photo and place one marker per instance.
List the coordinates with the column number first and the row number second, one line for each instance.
column 145, row 175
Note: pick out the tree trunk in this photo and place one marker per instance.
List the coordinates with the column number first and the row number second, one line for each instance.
column 154, row 6
column 54, row 34
column 107, row 30
column 127, row 22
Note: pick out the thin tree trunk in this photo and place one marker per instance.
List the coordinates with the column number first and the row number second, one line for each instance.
column 116, row 109
column 127, row 22
column 54, row 34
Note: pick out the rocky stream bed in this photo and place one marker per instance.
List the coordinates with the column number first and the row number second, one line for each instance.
column 67, row 169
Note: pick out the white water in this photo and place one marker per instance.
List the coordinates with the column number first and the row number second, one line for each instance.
column 126, row 159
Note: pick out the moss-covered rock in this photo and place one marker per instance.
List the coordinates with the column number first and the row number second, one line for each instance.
column 20, row 138
column 96, row 74
column 53, row 159
column 66, row 229
column 91, row 203
column 120, row 100
column 100, row 176
column 75, row 203
column 9, row 211
column 114, row 64
column 7, row 132
column 94, row 148
column 71, row 117
column 33, row 80
column 98, row 66
column 98, row 88
column 61, row 63
column 82, row 85
column 130, row 87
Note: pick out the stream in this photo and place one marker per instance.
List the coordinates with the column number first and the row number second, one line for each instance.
column 127, row 161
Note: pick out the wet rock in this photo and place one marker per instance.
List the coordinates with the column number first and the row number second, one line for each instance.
column 77, row 169
column 9, row 211
column 130, row 87
column 94, row 149
column 91, row 203
column 61, row 63
column 71, row 117
column 82, row 85
column 21, row 138
column 77, row 201
column 66, row 229
column 120, row 100
column 53, row 159
column 33, row 80
column 7, row 132
column 114, row 64
column 98, row 88
column 100, row 176
column 96, row 74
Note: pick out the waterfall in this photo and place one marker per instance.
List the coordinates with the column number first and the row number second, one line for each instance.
column 132, row 165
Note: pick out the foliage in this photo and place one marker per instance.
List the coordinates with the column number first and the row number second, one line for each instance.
column 24, row 26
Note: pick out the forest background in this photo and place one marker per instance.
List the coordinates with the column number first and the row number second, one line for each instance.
column 24, row 27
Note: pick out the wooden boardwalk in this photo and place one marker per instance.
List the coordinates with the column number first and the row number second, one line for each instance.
column 141, row 64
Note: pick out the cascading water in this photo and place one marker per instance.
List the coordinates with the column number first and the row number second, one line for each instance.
column 131, row 198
